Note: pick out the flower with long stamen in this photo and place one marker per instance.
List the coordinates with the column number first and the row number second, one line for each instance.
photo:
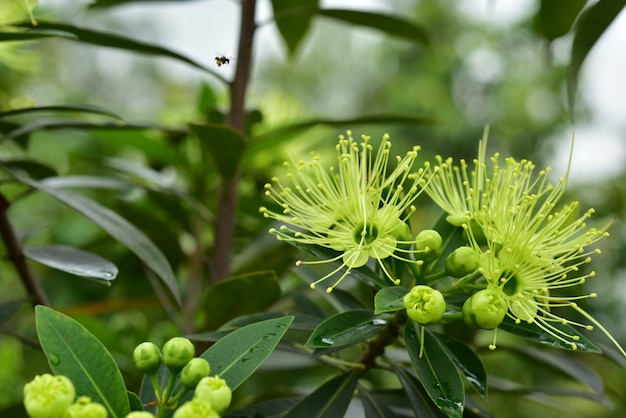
column 358, row 208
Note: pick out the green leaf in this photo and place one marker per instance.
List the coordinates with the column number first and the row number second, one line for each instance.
column 91, row 182
column 112, row 40
column 330, row 400
column 12, row 36
column 436, row 371
column 35, row 169
column 74, row 261
column 387, row 23
column 556, row 17
column 346, row 328
column 591, row 25
column 533, row 333
column 80, row 108
column 272, row 408
column 8, row 309
column 293, row 20
column 119, row 228
column 421, row 403
column 389, row 299
column 101, row 4
column 74, row 352
column 236, row 356
column 134, row 402
column 301, row 322
column 374, row 408
column 241, row 295
column 224, row 144
column 467, row 362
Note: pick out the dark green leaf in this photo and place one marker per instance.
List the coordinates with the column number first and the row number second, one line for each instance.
column 330, row 400
column 34, row 169
column 224, row 144
column 81, row 108
column 240, row 295
column 301, row 322
column 293, row 20
column 8, row 309
column 374, row 408
column 556, row 17
column 134, row 401
column 591, row 25
column 346, row 328
column 274, row 408
column 236, row 356
column 467, row 362
column 436, row 371
column 112, row 40
column 534, row 333
column 74, row 352
column 74, row 261
column 389, row 299
column 387, row 23
column 421, row 403
column 12, row 36
column 90, row 182
column 118, row 228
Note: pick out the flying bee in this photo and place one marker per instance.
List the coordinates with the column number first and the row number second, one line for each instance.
column 222, row 60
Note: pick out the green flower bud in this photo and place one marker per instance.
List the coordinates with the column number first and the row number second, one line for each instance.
column 84, row 408
column 48, row 396
column 428, row 245
column 194, row 371
column 140, row 414
column 214, row 390
column 461, row 262
column 147, row 357
column 196, row 408
column 177, row 352
column 484, row 309
column 424, row 304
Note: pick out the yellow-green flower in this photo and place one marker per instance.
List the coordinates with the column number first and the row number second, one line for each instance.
column 357, row 208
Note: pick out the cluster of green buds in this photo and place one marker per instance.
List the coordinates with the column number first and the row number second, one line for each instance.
column 212, row 395
column 48, row 396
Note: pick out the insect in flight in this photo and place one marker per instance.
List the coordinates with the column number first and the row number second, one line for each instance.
column 222, row 60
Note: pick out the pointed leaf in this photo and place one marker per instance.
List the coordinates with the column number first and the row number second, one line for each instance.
column 224, row 144
column 272, row 408
column 421, row 403
column 387, row 23
column 35, row 169
column 293, row 20
column 74, row 261
column 389, row 299
column 119, row 228
column 346, row 328
column 79, row 108
column 556, row 17
column 236, row 356
column 330, row 400
column 301, row 322
column 534, row 333
column 436, row 371
column 374, row 408
column 91, row 182
column 467, row 362
column 74, row 352
column 12, row 36
column 591, row 25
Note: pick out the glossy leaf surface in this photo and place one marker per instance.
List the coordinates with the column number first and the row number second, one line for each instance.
column 346, row 328
column 389, row 299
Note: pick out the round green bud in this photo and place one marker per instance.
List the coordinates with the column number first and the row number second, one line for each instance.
column 48, row 396
column 214, row 390
column 484, row 309
column 424, row 304
column 140, row 414
column 177, row 352
column 84, row 408
column 196, row 408
column 428, row 245
column 461, row 262
column 147, row 357
column 194, row 371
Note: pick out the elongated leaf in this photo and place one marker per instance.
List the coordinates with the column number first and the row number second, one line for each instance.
column 346, row 328
column 35, row 169
column 111, row 40
column 100, row 4
column 74, row 261
column 236, row 356
column 273, row 408
column 556, row 17
column 74, row 352
column 591, row 25
column 436, row 371
column 389, row 299
column 534, row 333
column 79, row 108
column 387, row 23
column 90, row 182
column 224, row 144
column 374, row 408
column 467, row 362
column 301, row 322
column 120, row 229
column 12, row 36
column 293, row 20
column 421, row 403
column 240, row 295
column 330, row 400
